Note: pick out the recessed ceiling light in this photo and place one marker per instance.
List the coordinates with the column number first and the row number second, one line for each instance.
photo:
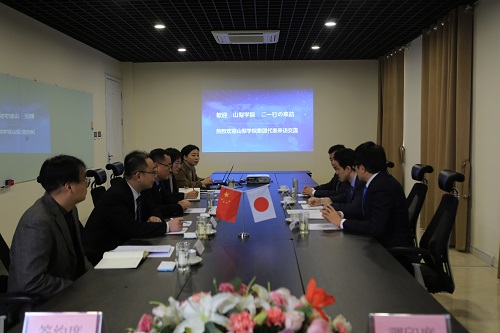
column 181, row 49
column 160, row 26
column 330, row 23
column 315, row 47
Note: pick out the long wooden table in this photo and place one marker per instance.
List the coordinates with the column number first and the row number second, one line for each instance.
column 363, row 277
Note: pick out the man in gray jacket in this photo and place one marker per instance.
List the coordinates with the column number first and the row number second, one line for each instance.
column 46, row 253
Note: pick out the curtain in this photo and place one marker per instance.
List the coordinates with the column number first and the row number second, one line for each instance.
column 446, row 111
column 391, row 108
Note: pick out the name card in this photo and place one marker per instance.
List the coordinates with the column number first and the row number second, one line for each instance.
column 199, row 247
column 214, row 222
column 414, row 323
column 62, row 322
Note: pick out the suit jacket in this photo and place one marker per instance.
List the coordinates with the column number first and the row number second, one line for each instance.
column 188, row 177
column 385, row 213
column 158, row 196
column 43, row 256
column 333, row 187
column 174, row 189
column 349, row 202
column 112, row 222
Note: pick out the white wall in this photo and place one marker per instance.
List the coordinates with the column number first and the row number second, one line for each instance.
column 32, row 50
column 485, row 198
column 166, row 108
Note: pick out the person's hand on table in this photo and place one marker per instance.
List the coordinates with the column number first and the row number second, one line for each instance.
column 192, row 195
column 307, row 191
column 154, row 219
column 175, row 224
column 207, row 181
column 331, row 215
column 185, row 204
column 319, row 201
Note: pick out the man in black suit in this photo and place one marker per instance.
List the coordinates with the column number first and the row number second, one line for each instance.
column 334, row 186
column 121, row 215
column 159, row 195
column 385, row 215
column 347, row 203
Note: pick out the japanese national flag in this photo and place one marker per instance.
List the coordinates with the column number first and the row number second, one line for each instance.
column 261, row 204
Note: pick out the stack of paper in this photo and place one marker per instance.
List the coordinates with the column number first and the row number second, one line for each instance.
column 121, row 259
column 155, row 251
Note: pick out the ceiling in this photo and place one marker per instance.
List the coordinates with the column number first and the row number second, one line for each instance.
column 123, row 29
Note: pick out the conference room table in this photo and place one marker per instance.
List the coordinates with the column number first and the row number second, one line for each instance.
column 362, row 276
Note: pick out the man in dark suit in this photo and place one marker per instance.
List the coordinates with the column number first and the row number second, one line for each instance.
column 333, row 187
column 347, row 203
column 159, row 195
column 46, row 253
column 385, row 215
column 121, row 215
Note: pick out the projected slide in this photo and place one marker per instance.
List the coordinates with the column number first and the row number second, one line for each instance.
column 24, row 129
column 257, row 120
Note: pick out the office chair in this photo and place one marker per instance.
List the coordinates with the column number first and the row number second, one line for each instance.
column 12, row 305
column 117, row 169
column 416, row 197
column 97, row 190
column 430, row 260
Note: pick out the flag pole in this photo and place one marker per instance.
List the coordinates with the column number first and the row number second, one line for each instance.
column 243, row 235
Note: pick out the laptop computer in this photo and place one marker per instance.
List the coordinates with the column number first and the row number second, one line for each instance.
column 224, row 179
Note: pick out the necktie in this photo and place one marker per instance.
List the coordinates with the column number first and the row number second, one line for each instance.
column 351, row 194
column 363, row 201
column 138, row 216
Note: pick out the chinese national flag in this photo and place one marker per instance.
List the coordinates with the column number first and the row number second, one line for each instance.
column 229, row 201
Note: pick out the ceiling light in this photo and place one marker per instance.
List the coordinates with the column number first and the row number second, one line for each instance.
column 160, row 26
column 315, row 47
column 331, row 23
column 181, row 49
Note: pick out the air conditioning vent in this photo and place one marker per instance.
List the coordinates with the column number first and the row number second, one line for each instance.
column 247, row 36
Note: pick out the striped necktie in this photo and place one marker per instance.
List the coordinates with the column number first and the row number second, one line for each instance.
column 138, row 212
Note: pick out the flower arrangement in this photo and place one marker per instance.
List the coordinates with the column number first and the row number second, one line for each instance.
column 236, row 307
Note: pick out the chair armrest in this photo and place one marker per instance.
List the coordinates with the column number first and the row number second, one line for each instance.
column 409, row 251
column 17, row 298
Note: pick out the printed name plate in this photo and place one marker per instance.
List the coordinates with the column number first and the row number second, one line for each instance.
column 62, row 322
column 199, row 247
column 421, row 323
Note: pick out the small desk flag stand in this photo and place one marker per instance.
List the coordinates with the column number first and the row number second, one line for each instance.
column 243, row 234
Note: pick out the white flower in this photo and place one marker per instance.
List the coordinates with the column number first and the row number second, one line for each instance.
column 261, row 292
column 342, row 320
column 169, row 315
column 200, row 309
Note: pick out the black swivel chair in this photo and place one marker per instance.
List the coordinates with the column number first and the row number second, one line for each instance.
column 98, row 189
column 430, row 260
column 117, row 169
column 12, row 305
column 416, row 197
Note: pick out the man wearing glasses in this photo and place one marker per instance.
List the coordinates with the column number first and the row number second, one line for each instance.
column 159, row 195
column 121, row 214
column 46, row 252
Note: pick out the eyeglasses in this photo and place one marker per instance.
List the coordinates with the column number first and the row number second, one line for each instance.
column 150, row 172
column 87, row 181
column 166, row 165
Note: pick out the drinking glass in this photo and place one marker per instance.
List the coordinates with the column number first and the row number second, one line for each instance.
column 182, row 253
column 304, row 223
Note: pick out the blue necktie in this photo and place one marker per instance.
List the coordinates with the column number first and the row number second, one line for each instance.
column 350, row 195
column 139, row 208
column 363, row 201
